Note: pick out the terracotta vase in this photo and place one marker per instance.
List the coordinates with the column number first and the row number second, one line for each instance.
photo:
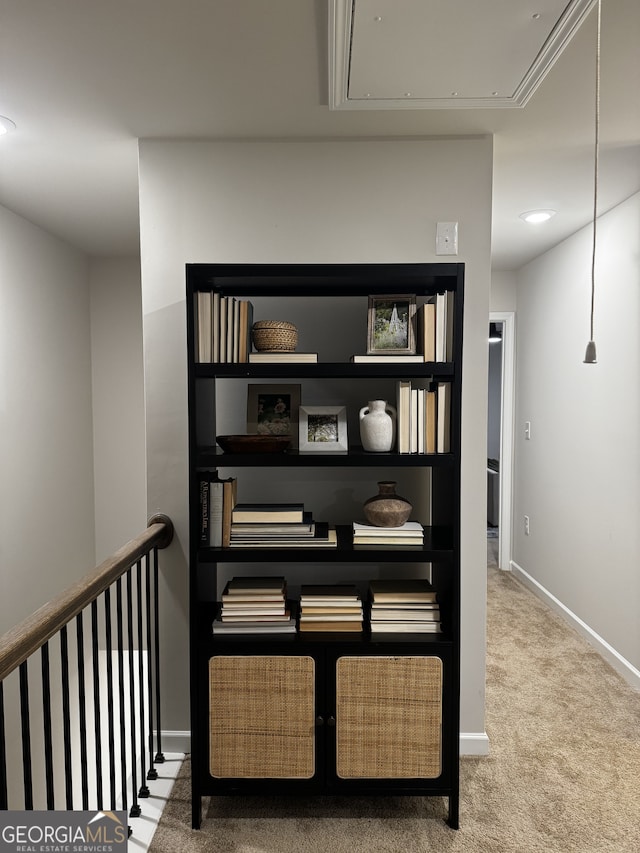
column 387, row 509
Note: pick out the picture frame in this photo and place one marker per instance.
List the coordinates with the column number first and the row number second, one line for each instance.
column 391, row 325
column 273, row 410
column 323, row 429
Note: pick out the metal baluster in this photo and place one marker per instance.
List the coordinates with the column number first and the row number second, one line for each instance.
column 156, row 608
column 84, row 773
column 48, row 739
column 135, row 810
column 96, row 703
column 26, row 736
column 144, row 790
column 66, row 718
column 110, row 714
column 153, row 773
column 123, row 728
column 4, row 798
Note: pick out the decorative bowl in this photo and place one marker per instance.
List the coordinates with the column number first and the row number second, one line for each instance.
column 274, row 336
column 253, row 443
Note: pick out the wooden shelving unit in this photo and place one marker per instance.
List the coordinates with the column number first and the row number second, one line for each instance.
column 320, row 750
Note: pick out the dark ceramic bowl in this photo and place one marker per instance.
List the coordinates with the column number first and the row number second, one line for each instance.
column 253, row 443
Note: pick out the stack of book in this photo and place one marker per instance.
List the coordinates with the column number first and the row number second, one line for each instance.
column 222, row 327
column 407, row 606
column 409, row 533
column 424, row 418
column 381, row 358
column 254, row 605
column 283, row 357
column 217, row 499
column 278, row 525
column 325, row 607
column 435, row 327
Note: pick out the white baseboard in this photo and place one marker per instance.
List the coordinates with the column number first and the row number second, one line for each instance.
column 474, row 743
column 471, row 743
column 613, row 657
column 175, row 742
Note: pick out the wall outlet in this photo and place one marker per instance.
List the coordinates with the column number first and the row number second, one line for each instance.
column 526, row 525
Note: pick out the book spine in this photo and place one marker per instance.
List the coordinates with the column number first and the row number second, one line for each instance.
column 229, row 495
column 204, row 511
column 215, row 513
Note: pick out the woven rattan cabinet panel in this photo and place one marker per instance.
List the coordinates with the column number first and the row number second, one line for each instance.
column 388, row 717
column 261, row 717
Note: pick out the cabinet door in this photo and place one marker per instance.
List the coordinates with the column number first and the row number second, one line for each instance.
column 262, row 717
column 388, row 717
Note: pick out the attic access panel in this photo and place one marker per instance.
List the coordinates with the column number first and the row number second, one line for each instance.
column 445, row 54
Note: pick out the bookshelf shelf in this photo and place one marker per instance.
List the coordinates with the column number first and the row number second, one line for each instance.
column 438, row 547
column 209, row 457
column 407, row 662
column 324, row 370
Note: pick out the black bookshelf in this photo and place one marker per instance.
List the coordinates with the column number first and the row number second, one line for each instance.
column 440, row 552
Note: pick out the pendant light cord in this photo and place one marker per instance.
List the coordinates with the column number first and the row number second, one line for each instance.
column 595, row 169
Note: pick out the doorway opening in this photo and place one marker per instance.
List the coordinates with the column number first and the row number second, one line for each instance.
column 500, row 437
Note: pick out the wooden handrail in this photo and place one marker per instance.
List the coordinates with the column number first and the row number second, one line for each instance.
column 21, row 642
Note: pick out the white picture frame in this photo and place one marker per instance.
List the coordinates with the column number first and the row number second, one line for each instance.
column 323, row 429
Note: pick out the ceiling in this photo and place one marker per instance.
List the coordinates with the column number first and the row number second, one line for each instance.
column 84, row 79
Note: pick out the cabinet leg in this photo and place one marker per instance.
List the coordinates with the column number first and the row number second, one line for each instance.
column 453, row 819
column 196, row 811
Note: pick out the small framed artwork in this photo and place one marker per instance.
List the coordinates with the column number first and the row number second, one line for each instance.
column 323, row 428
column 273, row 410
column 391, row 325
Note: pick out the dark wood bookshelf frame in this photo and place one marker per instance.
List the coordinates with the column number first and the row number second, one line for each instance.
column 441, row 548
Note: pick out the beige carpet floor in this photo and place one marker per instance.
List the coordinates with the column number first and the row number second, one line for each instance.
column 563, row 775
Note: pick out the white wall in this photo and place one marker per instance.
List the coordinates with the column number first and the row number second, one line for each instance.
column 503, row 291
column 46, row 452
column 307, row 202
column 118, row 403
column 578, row 476
column 64, row 324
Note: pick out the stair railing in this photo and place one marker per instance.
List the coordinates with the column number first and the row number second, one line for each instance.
column 85, row 723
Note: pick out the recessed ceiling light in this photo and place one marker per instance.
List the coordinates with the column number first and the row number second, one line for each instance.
column 535, row 217
column 6, row 125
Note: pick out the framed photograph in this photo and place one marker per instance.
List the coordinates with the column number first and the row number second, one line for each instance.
column 323, row 428
column 391, row 325
column 273, row 410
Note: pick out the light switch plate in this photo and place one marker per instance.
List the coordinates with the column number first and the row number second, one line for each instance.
column 447, row 238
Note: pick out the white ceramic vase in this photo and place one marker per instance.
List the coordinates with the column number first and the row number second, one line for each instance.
column 378, row 426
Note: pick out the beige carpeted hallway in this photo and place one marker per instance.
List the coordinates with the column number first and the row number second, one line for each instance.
column 563, row 775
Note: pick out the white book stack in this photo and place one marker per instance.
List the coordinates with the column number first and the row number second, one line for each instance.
column 423, row 418
column 222, row 328
column 328, row 608
column 404, row 606
column 255, row 606
column 410, row 533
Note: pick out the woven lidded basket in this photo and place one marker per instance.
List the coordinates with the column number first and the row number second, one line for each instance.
column 274, row 336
